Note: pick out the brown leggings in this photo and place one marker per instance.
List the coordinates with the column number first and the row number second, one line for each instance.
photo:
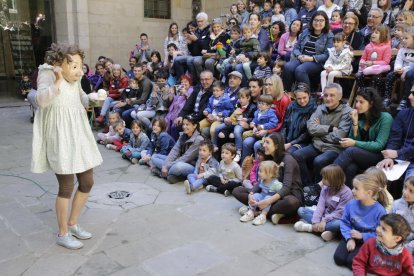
column 66, row 183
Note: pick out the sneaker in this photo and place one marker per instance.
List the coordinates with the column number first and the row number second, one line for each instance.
column 327, row 235
column 249, row 216
column 172, row 179
column 155, row 171
column 124, row 156
column 259, row 220
column 100, row 142
column 100, row 119
column 134, row 161
column 79, row 232
column 386, row 102
column 301, row 226
column 276, row 217
column 402, row 105
column 68, row 241
column 187, row 187
column 142, row 162
column 227, row 193
column 237, row 158
column 211, row 188
column 111, row 147
column 243, row 210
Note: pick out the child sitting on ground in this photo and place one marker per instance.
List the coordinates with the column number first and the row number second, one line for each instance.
column 138, row 141
column 205, row 167
column 228, row 175
column 360, row 219
column 262, row 70
column 386, row 254
column 326, row 219
column 404, row 207
column 380, row 177
column 278, row 67
column 160, row 142
column 111, row 135
column 268, row 186
column 25, row 85
column 124, row 135
column 219, row 106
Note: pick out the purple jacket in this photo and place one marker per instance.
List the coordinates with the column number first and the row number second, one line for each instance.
column 176, row 106
column 331, row 207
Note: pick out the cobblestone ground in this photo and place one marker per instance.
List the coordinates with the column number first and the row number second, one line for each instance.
column 155, row 230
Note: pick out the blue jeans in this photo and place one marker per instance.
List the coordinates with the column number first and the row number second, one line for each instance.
column 108, row 103
column 126, row 116
column 250, row 146
column 353, row 160
column 259, row 197
column 410, row 171
column 294, row 70
column 157, row 160
column 135, row 153
column 194, row 182
column 408, row 83
column 181, row 169
column 195, row 66
column 180, row 66
column 306, row 214
column 237, row 131
column 320, row 160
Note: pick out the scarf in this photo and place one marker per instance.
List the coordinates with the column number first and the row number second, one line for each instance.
column 389, row 251
column 297, row 113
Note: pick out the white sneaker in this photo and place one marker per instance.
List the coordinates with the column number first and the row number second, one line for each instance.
column 301, row 226
column 259, row 220
column 187, row 187
column 237, row 158
column 68, row 241
column 276, row 217
column 327, row 235
column 243, row 210
column 110, row 147
column 227, row 193
column 248, row 216
column 79, row 232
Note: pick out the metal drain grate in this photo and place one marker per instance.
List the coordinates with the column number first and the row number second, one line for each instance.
column 119, row 195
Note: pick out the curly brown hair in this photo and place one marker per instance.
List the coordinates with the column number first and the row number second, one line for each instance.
column 58, row 52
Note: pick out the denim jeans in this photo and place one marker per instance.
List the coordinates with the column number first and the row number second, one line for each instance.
column 294, row 70
column 181, row 169
column 126, row 116
column 353, row 160
column 306, row 214
column 408, row 83
column 157, row 160
column 144, row 117
column 319, row 160
column 194, row 182
column 108, row 103
column 259, row 197
column 180, row 66
column 134, row 153
column 410, row 171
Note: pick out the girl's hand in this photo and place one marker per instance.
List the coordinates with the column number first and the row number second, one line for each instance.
column 355, row 234
column 263, row 204
column 347, row 142
column 320, row 227
column 244, row 124
column 354, row 116
column 399, row 70
column 199, row 176
column 350, row 245
column 261, row 133
column 252, row 201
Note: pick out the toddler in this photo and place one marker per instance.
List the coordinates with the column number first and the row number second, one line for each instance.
column 360, row 219
column 376, row 57
column 404, row 207
column 277, row 13
column 278, row 67
column 124, row 135
column 111, row 135
column 336, row 20
column 219, row 106
column 398, row 35
column 268, row 186
column 128, row 96
column 251, row 176
column 339, row 61
column 403, row 69
column 385, row 254
column 228, row 175
column 267, row 9
column 25, row 85
column 262, row 70
column 205, row 167
column 160, row 142
column 138, row 142
column 326, row 218
column 265, row 117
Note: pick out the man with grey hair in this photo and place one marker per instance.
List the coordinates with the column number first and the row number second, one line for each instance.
column 375, row 16
column 327, row 126
column 197, row 40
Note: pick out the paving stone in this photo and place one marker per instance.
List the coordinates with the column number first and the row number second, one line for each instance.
column 57, row 264
column 98, row 264
column 17, row 266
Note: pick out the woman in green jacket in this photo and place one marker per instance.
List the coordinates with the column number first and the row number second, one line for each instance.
column 367, row 137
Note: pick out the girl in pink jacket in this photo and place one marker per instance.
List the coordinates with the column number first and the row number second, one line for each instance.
column 376, row 58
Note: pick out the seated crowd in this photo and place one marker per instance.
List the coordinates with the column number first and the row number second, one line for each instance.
column 231, row 109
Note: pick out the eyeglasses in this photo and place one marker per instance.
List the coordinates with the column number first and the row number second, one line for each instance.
column 319, row 20
column 349, row 23
column 373, row 16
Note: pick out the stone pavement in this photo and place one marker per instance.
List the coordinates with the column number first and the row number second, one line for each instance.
column 155, row 230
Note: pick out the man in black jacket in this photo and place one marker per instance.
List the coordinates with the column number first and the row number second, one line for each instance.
column 198, row 100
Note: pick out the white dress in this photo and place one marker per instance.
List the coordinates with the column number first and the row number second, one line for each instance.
column 62, row 137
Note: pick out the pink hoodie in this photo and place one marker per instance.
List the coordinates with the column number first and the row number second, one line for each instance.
column 379, row 53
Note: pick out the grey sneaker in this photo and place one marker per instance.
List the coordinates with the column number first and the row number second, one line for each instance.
column 243, row 210
column 68, row 241
column 187, row 187
column 79, row 232
column 134, row 161
column 211, row 188
column 227, row 193
column 172, row 179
